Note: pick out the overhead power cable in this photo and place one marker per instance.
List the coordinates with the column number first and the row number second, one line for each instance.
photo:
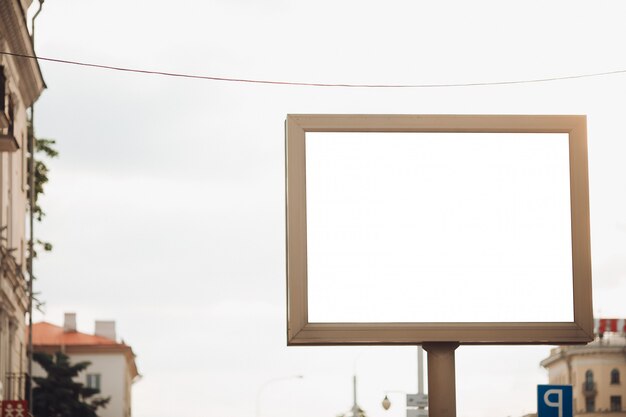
column 314, row 84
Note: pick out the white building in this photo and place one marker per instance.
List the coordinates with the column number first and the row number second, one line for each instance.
column 21, row 84
column 597, row 371
column 113, row 369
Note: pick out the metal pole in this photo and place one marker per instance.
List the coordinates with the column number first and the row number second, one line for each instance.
column 421, row 405
column 441, row 379
column 420, row 370
column 31, row 240
column 32, row 26
column 31, row 192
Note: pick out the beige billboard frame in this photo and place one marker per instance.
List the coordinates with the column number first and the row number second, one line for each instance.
column 301, row 332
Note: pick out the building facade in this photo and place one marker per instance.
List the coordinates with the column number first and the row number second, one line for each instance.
column 597, row 371
column 21, row 84
column 113, row 369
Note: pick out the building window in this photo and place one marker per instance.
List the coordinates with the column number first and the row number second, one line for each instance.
column 614, row 376
column 590, row 404
column 24, row 159
column 5, row 105
column 93, row 381
column 616, row 403
column 589, row 381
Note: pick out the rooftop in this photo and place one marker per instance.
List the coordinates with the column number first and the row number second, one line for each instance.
column 50, row 338
column 610, row 342
column 47, row 334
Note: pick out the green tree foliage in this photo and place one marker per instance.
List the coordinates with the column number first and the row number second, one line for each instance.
column 58, row 395
column 44, row 150
column 43, row 147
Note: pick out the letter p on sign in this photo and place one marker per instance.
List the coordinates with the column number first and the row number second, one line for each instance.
column 554, row 401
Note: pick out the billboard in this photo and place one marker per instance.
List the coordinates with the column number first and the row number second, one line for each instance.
column 404, row 229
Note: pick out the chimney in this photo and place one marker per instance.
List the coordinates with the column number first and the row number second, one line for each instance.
column 105, row 328
column 69, row 322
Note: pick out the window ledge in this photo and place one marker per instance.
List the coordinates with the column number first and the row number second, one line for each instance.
column 8, row 143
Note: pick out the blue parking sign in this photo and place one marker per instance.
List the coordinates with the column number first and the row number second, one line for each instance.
column 554, row 401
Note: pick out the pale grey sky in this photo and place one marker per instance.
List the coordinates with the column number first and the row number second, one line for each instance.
column 166, row 206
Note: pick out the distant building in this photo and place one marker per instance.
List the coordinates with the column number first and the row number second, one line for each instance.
column 597, row 371
column 21, row 84
column 113, row 369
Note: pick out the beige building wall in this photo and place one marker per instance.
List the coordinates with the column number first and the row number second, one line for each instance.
column 13, row 295
column 589, row 370
column 22, row 84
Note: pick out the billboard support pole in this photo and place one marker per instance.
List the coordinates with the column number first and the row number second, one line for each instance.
column 441, row 379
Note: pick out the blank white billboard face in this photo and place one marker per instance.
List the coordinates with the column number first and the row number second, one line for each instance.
column 438, row 227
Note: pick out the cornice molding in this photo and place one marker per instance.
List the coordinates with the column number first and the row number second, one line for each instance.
column 13, row 29
column 573, row 351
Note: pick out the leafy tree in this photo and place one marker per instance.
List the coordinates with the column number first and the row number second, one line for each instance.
column 44, row 149
column 58, row 395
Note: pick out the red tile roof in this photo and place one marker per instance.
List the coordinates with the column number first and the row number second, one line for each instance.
column 50, row 338
column 46, row 334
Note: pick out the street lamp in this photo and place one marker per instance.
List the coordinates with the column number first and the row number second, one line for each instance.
column 265, row 385
column 386, row 403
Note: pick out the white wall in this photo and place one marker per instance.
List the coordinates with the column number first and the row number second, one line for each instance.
column 113, row 380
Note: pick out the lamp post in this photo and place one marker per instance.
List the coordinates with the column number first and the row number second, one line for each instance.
column 31, row 239
column 356, row 410
column 266, row 384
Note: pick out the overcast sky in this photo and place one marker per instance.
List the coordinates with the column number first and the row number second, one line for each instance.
column 166, row 206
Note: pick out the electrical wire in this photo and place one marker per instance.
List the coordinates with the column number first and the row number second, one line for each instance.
column 314, row 84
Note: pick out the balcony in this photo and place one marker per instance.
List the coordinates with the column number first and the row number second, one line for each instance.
column 8, row 141
column 589, row 389
column 16, row 387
